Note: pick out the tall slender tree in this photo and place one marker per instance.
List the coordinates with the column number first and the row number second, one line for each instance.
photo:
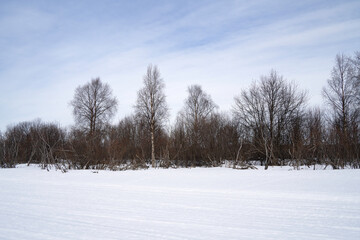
column 340, row 92
column 151, row 104
column 342, row 96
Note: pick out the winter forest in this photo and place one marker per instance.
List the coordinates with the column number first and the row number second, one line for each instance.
column 270, row 124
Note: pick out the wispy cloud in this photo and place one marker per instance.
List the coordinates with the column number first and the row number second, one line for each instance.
column 48, row 49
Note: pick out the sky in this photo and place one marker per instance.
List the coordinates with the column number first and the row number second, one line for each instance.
column 48, row 48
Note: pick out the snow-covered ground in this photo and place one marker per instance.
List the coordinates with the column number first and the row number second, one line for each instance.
column 201, row 203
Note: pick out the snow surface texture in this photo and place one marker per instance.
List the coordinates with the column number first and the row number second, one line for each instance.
column 201, row 203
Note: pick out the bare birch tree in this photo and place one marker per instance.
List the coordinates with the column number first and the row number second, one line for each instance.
column 342, row 96
column 93, row 105
column 340, row 92
column 356, row 81
column 151, row 104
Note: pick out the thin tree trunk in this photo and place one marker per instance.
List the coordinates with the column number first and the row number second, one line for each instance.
column 152, row 146
column 267, row 155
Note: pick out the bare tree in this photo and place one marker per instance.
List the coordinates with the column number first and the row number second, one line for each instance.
column 93, row 105
column 340, row 93
column 356, row 81
column 267, row 108
column 151, row 104
column 342, row 96
column 198, row 106
column 196, row 112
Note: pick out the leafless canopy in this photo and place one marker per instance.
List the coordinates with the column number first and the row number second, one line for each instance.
column 356, row 78
column 341, row 90
column 198, row 106
column 93, row 105
column 266, row 109
column 151, row 105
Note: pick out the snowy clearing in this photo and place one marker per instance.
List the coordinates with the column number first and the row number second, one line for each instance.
column 201, row 203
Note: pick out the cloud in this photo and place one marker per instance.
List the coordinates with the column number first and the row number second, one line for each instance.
column 50, row 49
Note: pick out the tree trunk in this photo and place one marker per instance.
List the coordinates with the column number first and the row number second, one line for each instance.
column 152, row 146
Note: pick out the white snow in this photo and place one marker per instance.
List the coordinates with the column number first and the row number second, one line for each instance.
column 201, row 203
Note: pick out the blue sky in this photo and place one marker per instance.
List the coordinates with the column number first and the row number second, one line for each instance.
column 48, row 48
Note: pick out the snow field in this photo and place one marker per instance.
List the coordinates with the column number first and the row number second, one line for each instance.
column 201, row 203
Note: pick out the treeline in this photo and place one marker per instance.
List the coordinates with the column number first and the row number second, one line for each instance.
column 269, row 124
